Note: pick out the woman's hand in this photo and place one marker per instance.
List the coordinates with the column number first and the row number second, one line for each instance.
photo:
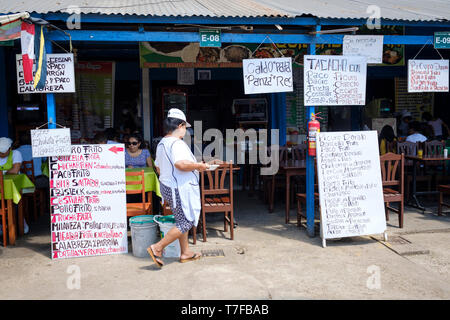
column 215, row 161
column 202, row 166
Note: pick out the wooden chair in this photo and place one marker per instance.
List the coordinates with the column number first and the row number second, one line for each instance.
column 392, row 175
column 3, row 209
column 443, row 189
column 27, row 167
column 216, row 197
column 435, row 168
column 301, row 199
column 139, row 208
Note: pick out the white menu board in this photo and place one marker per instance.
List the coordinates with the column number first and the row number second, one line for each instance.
column 88, row 202
column 60, row 75
column 428, row 75
column 51, row 142
column 267, row 75
column 334, row 80
column 350, row 187
column 370, row 47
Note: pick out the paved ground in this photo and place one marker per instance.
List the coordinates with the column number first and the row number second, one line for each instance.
column 267, row 260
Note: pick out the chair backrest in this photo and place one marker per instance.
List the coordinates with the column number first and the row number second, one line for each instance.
column 215, row 184
column 391, row 146
column 434, row 148
column 299, row 151
column 2, row 194
column 392, row 170
column 27, row 167
column 292, row 153
column 407, row 148
column 140, row 182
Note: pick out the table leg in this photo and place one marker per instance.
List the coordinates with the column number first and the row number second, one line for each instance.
column 288, row 193
column 11, row 224
column 414, row 188
column 20, row 217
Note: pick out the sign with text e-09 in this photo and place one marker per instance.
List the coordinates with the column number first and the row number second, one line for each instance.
column 60, row 75
column 350, row 186
column 88, row 201
column 428, row 76
column 50, row 142
column 267, row 75
column 334, row 80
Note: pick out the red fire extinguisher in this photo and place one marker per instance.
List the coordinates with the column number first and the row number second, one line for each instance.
column 313, row 128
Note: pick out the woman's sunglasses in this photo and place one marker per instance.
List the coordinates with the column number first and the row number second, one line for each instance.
column 134, row 143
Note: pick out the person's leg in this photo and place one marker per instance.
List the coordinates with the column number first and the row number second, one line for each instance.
column 170, row 237
column 186, row 252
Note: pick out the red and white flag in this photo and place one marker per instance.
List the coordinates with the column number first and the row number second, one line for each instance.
column 27, row 43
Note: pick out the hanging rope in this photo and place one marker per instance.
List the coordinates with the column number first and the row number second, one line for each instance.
column 263, row 42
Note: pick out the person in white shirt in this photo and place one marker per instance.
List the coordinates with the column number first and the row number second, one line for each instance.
column 437, row 124
column 179, row 182
column 415, row 135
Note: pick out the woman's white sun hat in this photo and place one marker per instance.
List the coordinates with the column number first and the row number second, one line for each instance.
column 178, row 114
column 5, row 144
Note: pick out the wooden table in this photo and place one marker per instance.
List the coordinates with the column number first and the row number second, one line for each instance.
column 414, row 192
column 291, row 168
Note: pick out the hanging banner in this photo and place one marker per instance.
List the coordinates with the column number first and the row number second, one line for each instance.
column 334, row 80
column 50, row 142
column 60, row 75
column 267, row 75
column 10, row 31
column 88, row 202
column 370, row 47
column 428, row 75
column 350, row 187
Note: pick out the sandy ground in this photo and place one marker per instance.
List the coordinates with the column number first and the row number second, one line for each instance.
column 267, row 260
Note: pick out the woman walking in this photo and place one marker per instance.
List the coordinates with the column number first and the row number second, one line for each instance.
column 179, row 181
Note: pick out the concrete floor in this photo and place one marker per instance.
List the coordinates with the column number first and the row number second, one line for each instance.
column 267, row 260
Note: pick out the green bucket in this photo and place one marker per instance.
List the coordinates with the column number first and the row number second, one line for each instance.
column 140, row 220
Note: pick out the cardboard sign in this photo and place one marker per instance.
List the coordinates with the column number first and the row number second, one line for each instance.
column 88, row 202
column 334, row 80
column 350, row 187
column 267, row 75
column 370, row 47
column 50, row 142
column 428, row 75
column 60, row 75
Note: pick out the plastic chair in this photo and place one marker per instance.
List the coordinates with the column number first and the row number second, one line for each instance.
column 3, row 209
column 139, row 208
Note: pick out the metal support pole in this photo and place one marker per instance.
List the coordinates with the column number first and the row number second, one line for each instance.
column 4, row 127
column 51, row 110
column 310, row 164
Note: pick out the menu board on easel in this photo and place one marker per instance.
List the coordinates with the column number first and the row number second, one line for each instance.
column 88, row 202
column 350, row 187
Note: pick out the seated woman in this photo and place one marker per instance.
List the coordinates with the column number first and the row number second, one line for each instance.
column 387, row 136
column 135, row 155
column 10, row 160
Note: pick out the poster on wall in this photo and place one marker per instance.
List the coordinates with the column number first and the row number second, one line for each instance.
column 428, row 75
column 350, row 186
column 60, row 75
column 379, row 123
column 370, row 47
column 267, row 75
column 335, row 80
column 88, row 202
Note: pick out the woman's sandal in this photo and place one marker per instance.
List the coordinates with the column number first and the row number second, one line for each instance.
column 196, row 256
column 154, row 257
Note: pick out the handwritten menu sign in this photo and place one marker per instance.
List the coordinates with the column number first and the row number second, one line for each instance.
column 350, row 188
column 50, row 142
column 334, row 80
column 370, row 47
column 428, row 75
column 88, row 202
column 267, row 75
column 60, row 75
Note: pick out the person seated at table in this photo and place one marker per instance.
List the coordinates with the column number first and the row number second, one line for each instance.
column 112, row 136
column 136, row 155
column 100, row 138
column 437, row 124
column 387, row 136
column 414, row 133
column 41, row 181
column 404, row 124
column 10, row 162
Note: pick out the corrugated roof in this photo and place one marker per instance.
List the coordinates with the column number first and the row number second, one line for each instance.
column 207, row 8
column 412, row 10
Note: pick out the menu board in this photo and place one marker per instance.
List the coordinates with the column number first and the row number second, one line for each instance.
column 334, row 80
column 350, row 187
column 370, row 47
column 88, row 202
column 428, row 75
column 50, row 142
column 60, row 75
column 267, row 75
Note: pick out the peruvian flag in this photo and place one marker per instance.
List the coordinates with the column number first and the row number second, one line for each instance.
column 27, row 43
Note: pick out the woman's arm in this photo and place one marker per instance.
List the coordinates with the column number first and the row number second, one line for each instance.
column 15, row 169
column 186, row 165
column 149, row 162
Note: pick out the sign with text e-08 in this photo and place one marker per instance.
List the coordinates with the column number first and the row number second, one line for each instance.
column 350, row 186
column 50, row 142
column 428, row 75
column 88, row 202
column 267, row 75
column 334, row 80
column 60, row 75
